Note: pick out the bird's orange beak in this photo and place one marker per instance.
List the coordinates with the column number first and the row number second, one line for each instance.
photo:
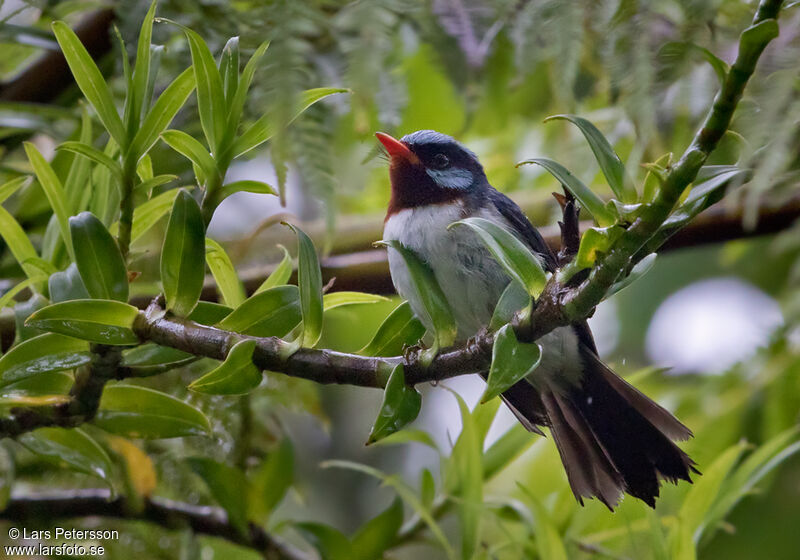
column 396, row 149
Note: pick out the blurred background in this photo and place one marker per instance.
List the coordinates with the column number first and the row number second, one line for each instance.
column 712, row 331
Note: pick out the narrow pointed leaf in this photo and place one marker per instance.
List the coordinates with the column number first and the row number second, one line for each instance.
column 149, row 184
column 229, row 69
column 94, row 155
column 45, row 353
column 12, row 186
column 7, row 298
column 514, row 298
column 510, row 252
column 164, row 110
column 401, row 405
column 98, row 258
column 139, row 412
column 210, row 93
column 379, row 533
column 590, row 201
column 401, row 328
column 548, row 539
column 183, row 255
column 191, row 149
column 148, row 214
column 280, row 275
column 248, row 186
column 607, row 158
column 237, row 103
column 274, row 312
column 465, row 478
column 70, row 446
column 512, row 361
column 96, row 320
column 309, row 281
column 90, row 81
column 427, row 291
column 54, row 192
column 272, row 480
column 264, row 128
column 141, row 70
column 227, row 486
column 224, row 274
column 237, row 375
column 18, row 242
column 342, row 299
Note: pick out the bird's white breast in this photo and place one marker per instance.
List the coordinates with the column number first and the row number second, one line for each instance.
column 470, row 278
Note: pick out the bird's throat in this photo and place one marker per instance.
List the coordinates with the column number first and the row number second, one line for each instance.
column 413, row 187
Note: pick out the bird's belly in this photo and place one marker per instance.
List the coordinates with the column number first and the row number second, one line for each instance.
column 472, row 282
column 469, row 277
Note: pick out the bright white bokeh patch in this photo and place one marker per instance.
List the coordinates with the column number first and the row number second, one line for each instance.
column 710, row 325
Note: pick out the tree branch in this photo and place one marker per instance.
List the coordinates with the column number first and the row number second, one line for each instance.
column 204, row 520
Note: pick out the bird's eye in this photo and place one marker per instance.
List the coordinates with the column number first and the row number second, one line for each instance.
column 440, row 161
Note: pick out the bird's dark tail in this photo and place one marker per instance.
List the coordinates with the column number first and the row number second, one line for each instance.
column 611, row 438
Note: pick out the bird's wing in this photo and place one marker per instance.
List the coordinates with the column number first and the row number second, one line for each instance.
column 517, row 219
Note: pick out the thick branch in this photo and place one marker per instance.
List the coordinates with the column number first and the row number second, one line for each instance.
column 205, row 520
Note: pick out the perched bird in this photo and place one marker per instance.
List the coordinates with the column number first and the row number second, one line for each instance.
column 611, row 438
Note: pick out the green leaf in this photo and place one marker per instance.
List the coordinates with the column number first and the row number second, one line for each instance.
column 210, row 94
column 139, row 412
column 183, row 255
column 427, row 488
column 237, row 375
column 224, row 274
column 548, row 540
column 272, row 480
column 400, row 329
column 329, row 542
column 640, row 269
column 42, row 354
column 610, row 164
column 464, row 476
column 164, row 110
column 192, row 149
column 309, row 281
column 149, row 184
column 427, row 290
column 7, row 298
column 409, row 435
column 656, row 173
column 405, row 492
column 70, row 446
column 280, row 275
column 590, row 201
column 229, row 68
column 263, row 129
column 379, row 533
column 236, row 105
column 510, row 252
column 594, row 242
column 752, row 470
column 512, row 361
column 99, row 260
column 12, row 186
column 248, row 186
column 701, row 497
column 341, row 299
column 153, row 355
column 93, row 154
column 513, row 299
column 209, row 313
column 66, row 285
column 679, row 50
column 137, row 96
column 18, row 242
column 227, row 486
column 401, row 404
column 90, row 81
column 96, row 320
column 274, row 312
column 148, row 214
column 54, row 192
column 503, row 451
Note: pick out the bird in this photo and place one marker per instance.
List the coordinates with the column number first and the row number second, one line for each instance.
column 612, row 439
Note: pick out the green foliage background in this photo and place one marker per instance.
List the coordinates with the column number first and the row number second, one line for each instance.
column 490, row 78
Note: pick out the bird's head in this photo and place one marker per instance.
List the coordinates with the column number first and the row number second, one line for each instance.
column 428, row 167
